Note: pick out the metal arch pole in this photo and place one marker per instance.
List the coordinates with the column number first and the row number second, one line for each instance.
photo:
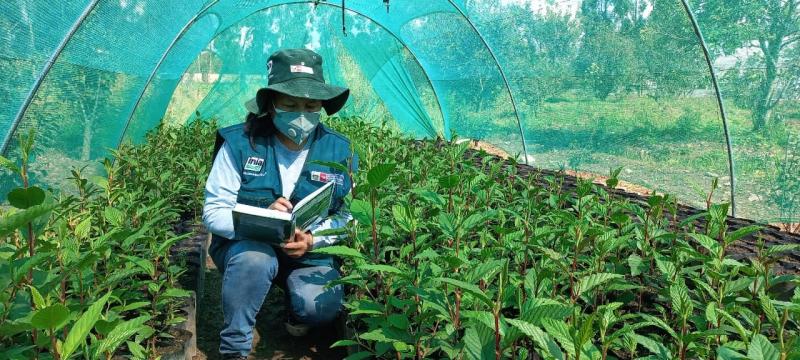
column 46, row 70
column 721, row 104
column 158, row 65
column 502, row 74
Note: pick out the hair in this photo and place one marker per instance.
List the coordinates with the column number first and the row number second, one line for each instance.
column 259, row 126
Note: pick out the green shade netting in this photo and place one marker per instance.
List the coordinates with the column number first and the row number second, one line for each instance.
column 580, row 85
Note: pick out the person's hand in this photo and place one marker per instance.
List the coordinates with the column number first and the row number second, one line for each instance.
column 282, row 205
column 298, row 244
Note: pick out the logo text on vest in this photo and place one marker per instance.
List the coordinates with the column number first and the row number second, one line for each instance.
column 254, row 164
column 326, row 177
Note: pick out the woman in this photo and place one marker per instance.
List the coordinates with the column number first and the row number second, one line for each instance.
column 268, row 161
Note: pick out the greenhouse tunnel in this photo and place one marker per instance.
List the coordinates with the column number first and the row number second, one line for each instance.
column 577, row 85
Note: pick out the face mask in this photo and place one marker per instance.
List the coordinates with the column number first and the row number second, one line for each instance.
column 297, row 126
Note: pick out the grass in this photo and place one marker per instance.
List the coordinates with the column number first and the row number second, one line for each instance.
column 672, row 145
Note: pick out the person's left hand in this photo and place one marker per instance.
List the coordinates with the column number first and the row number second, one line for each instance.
column 301, row 244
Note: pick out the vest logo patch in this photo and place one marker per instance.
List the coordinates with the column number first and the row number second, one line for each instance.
column 326, row 177
column 254, row 164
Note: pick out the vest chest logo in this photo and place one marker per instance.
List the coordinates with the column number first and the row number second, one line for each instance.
column 254, row 164
column 327, row 177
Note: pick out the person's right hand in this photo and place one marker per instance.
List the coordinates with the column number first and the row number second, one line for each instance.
column 282, row 205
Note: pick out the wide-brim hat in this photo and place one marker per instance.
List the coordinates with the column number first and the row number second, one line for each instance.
column 298, row 73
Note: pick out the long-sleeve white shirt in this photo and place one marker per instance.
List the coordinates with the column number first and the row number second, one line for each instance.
column 223, row 185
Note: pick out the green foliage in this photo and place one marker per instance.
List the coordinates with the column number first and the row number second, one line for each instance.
column 458, row 256
column 89, row 275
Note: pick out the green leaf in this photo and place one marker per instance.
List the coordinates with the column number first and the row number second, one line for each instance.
column 339, row 250
column 661, row 324
column 447, row 224
column 331, row 232
column 22, row 266
column 761, row 349
column 484, row 317
column 431, row 197
column 82, row 327
column 16, row 352
column 560, row 331
column 711, row 313
column 726, row 353
column 361, row 210
column 666, row 267
column 740, row 233
column 448, row 181
column 38, row 300
column 402, row 347
column 10, row 328
column 735, row 323
column 138, row 351
column 655, row 347
column 51, row 317
column 487, row 270
column 8, row 164
column 345, row 342
column 21, row 218
column 378, row 174
column 635, row 263
column 176, row 292
column 769, row 310
column 375, row 335
column 380, row 268
column 534, row 310
column 707, row 242
column 120, row 334
column 591, row 281
column 542, row 339
column 83, row 228
column 399, row 321
column 114, row 216
column 104, row 326
column 474, row 220
column 164, row 246
column 402, row 217
column 777, row 249
column 143, row 264
column 24, row 198
column 366, row 307
column 470, row 288
column 478, row 343
column 681, row 304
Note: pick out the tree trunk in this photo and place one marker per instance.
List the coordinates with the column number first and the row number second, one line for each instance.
column 762, row 111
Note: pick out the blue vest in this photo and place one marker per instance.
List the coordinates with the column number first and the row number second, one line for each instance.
column 260, row 176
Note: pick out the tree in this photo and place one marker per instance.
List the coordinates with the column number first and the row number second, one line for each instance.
column 669, row 54
column 770, row 29
column 607, row 57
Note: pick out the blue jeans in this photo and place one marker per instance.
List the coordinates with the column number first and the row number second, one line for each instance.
column 249, row 269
